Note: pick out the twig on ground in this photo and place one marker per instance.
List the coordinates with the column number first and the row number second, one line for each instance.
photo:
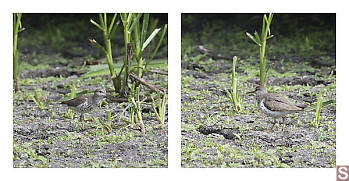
column 120, row 99
column 142, row 81
column 158, row 72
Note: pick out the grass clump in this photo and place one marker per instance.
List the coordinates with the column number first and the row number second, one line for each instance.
column 159, row 107
column 233, row 91
column 37, row 100
column 135, row 109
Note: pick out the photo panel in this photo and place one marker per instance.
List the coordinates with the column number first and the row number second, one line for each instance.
column 258, row 90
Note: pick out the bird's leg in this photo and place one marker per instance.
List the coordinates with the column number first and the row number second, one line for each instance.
column 273, row 124
column 283, row 127
column 283, row 123
column 82, row 120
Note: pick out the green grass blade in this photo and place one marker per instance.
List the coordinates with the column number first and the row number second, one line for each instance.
column 105, row 20
column 129, row 18
column 109, row 117
column 134, row 21
column 101, row 20
column 96, row 24
column 164, row 30
column 252, row 38
column 271, row 36
column 36, row 99
column 258, row 40
column 263, row 27
column 114, row 29
column 123, row 17
column 318, row 109
column 268, row 25
column 150, row 38
column 144, row 27
column 112, row 23
column 99, row 46
column 136, row 39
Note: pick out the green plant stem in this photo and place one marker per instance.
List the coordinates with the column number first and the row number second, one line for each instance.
column 107, row 49
column 114, row 77
column 157, row 46
column 261, row 41
column 127, row 41
column 234, row 86
column 140, row 67
column 17, row 24
column 160, row 107
column 262, row 64
column 136, row 111
column 318, row 110
column 233, row 91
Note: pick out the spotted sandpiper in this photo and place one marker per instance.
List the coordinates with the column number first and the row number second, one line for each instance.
column 84, row 104
column 274, row 105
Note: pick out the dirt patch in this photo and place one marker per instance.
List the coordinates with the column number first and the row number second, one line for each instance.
column 49, row 72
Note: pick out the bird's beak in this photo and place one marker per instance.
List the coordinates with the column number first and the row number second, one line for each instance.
column 251, row 92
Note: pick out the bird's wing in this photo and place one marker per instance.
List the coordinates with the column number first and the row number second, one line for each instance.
column 277, row 102
column 75, row 102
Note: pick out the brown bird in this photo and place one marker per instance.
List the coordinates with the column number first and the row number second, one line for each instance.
column 84, row 104
column 274, row 105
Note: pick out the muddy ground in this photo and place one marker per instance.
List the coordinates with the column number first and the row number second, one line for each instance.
column 215, row 135
column 53, row 136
